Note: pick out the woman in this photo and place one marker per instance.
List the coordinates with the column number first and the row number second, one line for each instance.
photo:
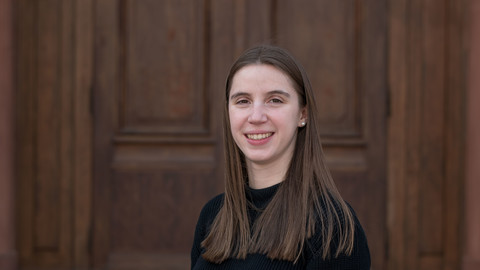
column 280, row 209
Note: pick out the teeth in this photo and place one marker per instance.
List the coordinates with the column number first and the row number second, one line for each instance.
column 259, row 136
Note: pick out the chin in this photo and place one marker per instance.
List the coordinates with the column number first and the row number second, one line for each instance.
column 258, row 160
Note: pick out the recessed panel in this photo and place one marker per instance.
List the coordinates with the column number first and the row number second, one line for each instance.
column 321, row 34
column 156, row 211
column 163, row 70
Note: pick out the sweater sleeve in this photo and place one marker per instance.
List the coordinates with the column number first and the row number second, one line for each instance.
column 358, row 260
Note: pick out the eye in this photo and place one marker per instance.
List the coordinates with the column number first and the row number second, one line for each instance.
column 275, row 100
column 241, row 101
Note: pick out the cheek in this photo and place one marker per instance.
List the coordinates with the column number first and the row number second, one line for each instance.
column 234, row 121
column 288, row 119
column 235, row 127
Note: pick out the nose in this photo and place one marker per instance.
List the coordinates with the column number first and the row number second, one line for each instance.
column 257, row 114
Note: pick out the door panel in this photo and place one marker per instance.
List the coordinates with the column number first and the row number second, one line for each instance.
column 322, row 35
column 164, row 72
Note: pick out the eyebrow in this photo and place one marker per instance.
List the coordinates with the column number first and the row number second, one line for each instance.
column 273, row 92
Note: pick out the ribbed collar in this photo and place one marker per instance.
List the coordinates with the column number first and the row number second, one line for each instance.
column 261, row 197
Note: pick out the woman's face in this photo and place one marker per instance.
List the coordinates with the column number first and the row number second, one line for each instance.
column 265, row 113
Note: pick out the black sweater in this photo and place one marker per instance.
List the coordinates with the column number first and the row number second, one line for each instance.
column 310, row 259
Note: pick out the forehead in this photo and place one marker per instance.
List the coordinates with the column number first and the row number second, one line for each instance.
column 258, row 77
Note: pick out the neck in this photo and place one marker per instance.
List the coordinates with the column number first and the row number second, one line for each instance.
column 265, row 175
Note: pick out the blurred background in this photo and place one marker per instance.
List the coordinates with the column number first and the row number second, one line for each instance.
column 110, row 123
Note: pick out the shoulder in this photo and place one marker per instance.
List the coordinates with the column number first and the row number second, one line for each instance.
column 317, row 240
column 214, row 204
column 359, row 257
column 360, row 248
column 360, row 236
column 207, row 215
column 210, row 210
column 343, row 220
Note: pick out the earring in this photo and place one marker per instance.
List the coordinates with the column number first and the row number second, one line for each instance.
column 303, row 124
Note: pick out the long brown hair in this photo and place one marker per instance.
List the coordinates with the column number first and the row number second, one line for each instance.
column 307, row 198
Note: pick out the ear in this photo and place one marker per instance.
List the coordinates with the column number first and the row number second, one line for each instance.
column 303, row 117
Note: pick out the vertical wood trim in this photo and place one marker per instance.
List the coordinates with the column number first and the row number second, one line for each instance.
column 457, row 19
column 105, row 104
column 412, row 110
column 396, row 136
column 82, row 130
column 46, row 201
column 371, row 77
column 8, row 254
column 471, row 253
column 432, row 153
column 221, row 46
column 25, row 99
column 66, row 147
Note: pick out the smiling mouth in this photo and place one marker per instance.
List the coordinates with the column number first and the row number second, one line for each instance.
column 259, row 136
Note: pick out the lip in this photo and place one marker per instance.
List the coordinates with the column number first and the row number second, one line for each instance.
column 259, row 141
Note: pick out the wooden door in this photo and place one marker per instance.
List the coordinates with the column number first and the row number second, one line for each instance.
column 160, row 68
column 154, row 71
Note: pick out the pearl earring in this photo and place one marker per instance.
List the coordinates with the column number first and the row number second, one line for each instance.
column 303, row 124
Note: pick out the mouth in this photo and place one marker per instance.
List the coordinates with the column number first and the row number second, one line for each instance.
column 259, row 136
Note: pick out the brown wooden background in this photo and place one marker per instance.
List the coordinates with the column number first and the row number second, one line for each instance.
column 119, row 107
